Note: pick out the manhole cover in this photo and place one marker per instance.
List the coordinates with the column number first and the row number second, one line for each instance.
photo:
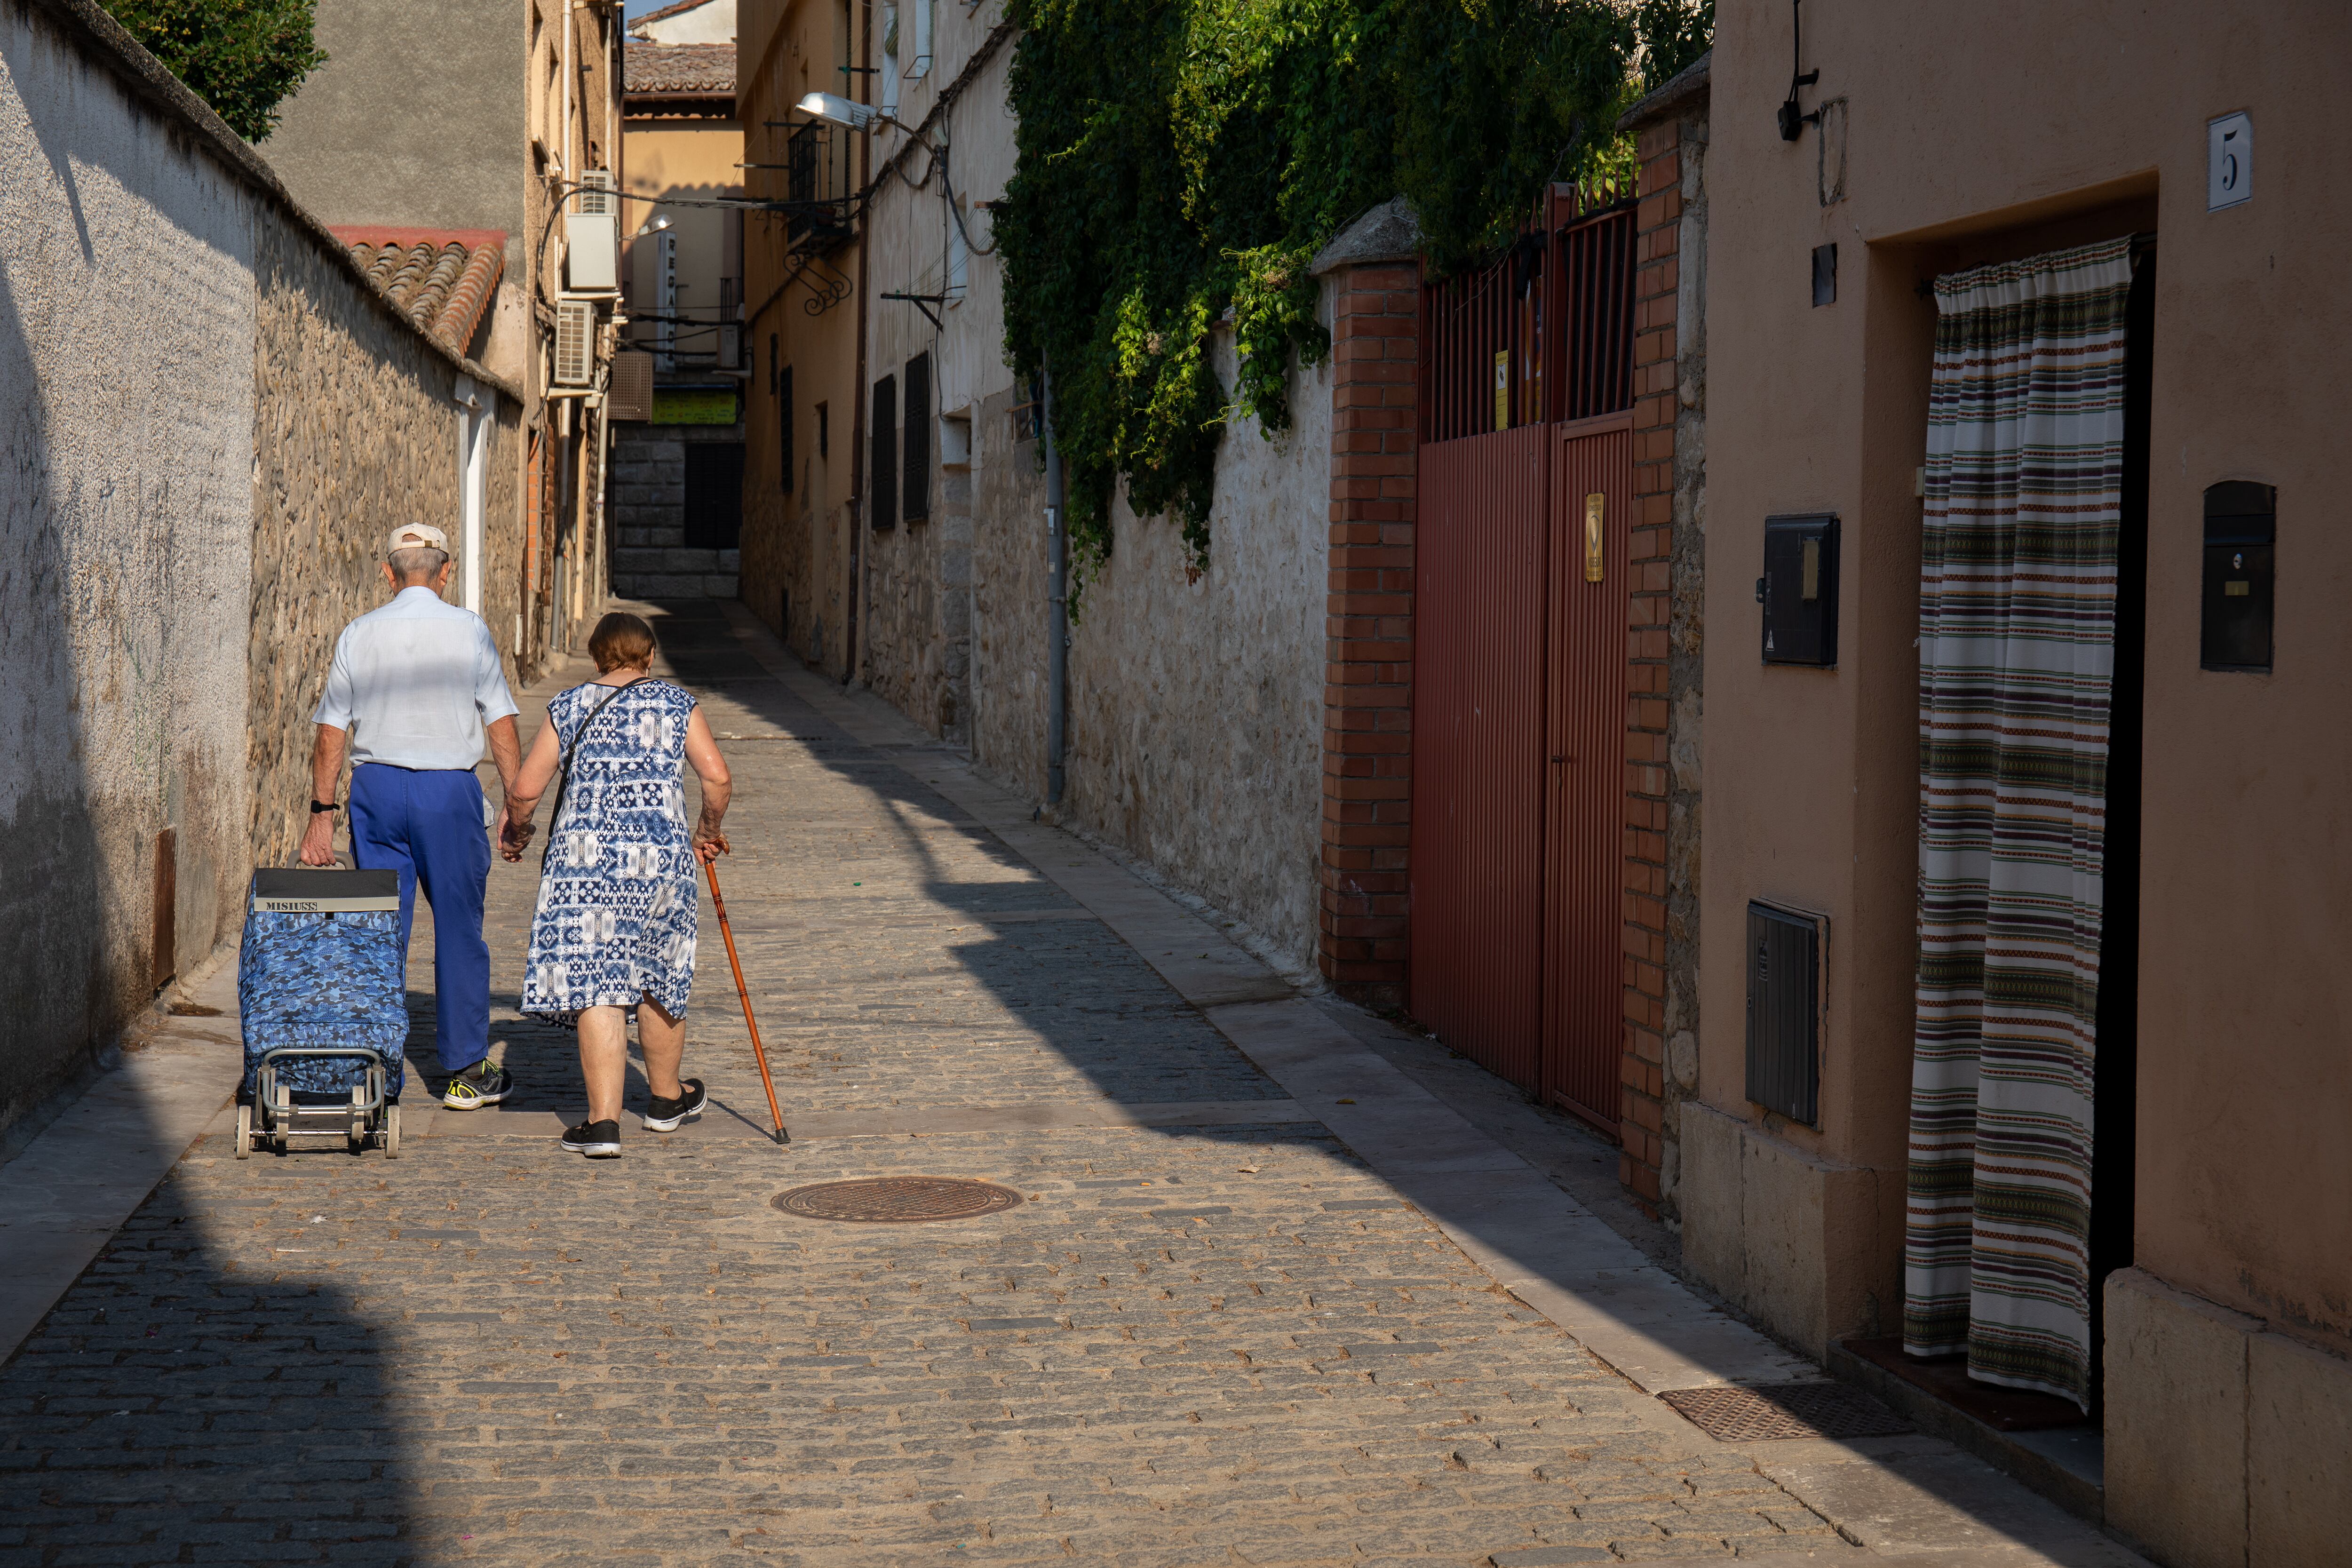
column 1731, row 1414
column 897, row 1200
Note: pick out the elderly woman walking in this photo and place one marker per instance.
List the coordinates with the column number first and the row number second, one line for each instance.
column 616, row 924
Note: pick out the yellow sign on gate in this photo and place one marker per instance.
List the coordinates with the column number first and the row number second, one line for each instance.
column 1592, row 538
column 1502, row 389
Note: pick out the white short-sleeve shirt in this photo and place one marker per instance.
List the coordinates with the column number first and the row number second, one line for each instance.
column 414, row 683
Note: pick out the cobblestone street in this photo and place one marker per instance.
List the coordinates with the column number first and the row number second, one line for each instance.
column 1212, row 1333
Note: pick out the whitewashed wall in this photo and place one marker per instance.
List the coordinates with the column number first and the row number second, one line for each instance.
column 127, row 309
column 208, row 423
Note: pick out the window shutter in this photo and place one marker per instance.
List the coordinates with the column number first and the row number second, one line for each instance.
column 785, row 414
column 882, row 466
column 918, row 497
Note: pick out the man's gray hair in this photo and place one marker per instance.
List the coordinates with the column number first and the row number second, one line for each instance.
column 421, row 561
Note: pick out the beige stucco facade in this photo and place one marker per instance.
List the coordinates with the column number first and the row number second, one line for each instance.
column 800, row 550
column 1958, row 137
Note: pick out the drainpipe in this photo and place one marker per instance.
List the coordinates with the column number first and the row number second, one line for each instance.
column 564, row 152
column 858, row 453
column 1057, row 608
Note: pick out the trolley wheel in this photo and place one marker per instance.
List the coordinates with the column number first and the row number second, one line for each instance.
column 391, row 1132
column 244, row 1131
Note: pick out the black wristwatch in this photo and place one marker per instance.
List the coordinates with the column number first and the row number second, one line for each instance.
column 319, row 805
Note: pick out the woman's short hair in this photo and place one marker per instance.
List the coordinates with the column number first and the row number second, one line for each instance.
column 621, row 640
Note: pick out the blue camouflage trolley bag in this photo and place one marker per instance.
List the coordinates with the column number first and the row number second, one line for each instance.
column 324, row 1006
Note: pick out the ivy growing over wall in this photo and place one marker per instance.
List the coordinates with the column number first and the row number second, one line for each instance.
column 1179, row 159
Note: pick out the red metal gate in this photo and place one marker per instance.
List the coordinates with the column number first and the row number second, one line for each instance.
column 1519, row 667
column 1591, row 503
column 1477, row 749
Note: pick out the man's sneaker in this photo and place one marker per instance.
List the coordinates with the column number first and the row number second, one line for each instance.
column 597, row 1140
column 476, row 1086
column 663, row 1115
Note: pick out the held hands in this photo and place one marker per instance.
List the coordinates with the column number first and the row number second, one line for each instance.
column 515, row 833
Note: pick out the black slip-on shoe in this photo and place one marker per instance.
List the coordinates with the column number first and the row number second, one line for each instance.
column 597, row 1140
column 663, row 1115
column 476, row 1086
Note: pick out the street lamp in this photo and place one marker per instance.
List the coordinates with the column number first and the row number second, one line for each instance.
column 859, row 116
column 841, row 111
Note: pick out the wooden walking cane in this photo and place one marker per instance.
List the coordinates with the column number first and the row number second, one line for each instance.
column 711, row 868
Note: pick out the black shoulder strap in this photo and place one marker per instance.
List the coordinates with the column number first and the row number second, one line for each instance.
column 563, row 775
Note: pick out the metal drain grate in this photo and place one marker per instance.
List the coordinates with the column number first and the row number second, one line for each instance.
column 1731, row 1413
column 897, row 1200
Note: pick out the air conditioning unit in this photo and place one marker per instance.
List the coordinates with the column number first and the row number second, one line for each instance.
column 592, row 252
column 575, row 342
column 597, row 192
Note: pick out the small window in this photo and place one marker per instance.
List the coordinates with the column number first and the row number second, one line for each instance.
column 882, row 465
column 785, row 414
column 825, row 430
column 916, row 498
column 918, row 58
column 714, row 495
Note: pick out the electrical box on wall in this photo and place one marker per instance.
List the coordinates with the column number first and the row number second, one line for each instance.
column 2240, row 534
column 1799, row 589
column 1784, row 1011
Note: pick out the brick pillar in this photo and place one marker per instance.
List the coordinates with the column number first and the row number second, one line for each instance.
column 1368, row 680
column 1642, row 1071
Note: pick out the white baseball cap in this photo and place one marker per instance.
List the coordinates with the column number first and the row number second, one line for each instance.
column 417, row 536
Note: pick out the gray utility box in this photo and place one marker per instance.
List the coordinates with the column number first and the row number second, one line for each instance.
column 1784, row 1011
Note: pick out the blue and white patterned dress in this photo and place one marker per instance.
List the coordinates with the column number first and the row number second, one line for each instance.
column 617, row 896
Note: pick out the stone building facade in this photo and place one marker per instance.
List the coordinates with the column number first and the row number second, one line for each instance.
column 212, row 419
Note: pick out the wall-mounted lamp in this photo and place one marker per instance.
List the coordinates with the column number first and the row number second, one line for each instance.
column 840, row 111
column 654, row 225
column 859, row 116
column 1793, row 119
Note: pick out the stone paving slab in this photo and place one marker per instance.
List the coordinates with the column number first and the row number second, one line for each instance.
column 1244, row 1342
column 70, row 1190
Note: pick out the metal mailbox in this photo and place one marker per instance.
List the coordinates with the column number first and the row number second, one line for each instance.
column 1799, row 590
column 2240, row 535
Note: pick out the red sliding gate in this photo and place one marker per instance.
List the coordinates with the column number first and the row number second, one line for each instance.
column 1520, row 682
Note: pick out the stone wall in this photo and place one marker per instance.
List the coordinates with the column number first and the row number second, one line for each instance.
column 355, row 431
column 1196, row 699
column 126, row 490
column 1008, row 597
column 646, row 506
column 918, row 607
column 208, row 421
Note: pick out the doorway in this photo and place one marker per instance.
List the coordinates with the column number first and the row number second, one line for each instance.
column 2114, row 1105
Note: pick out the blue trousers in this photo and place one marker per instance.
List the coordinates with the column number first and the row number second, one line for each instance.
column 428, row 825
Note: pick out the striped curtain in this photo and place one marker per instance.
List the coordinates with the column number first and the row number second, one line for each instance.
column 2025, row 434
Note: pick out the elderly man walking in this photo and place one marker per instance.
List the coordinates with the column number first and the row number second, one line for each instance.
column 415, row 687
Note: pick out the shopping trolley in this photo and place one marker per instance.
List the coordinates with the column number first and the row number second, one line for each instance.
column 324, row 1006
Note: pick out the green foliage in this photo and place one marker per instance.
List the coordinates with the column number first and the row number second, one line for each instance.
column 1673, row 33
column 1179, row 159
column 241, row 56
